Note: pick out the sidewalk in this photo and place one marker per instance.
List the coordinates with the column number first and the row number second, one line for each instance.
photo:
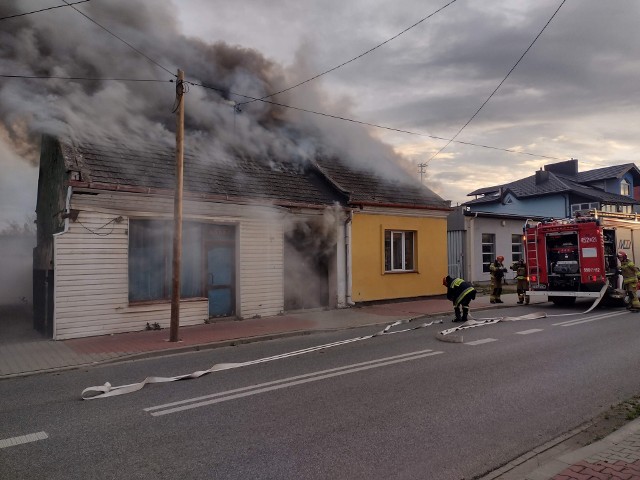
column 23, row 352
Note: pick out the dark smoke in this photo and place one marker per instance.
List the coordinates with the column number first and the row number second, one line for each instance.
column 62, row 42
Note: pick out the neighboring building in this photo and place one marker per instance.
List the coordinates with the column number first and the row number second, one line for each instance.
column 259, row 237
column 492, row 223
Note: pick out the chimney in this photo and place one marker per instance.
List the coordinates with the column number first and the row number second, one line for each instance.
column 542, row 176
column 568, row 167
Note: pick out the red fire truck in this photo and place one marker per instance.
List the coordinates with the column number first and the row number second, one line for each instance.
column 574, row 258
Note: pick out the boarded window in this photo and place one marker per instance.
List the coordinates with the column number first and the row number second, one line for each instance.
column 150, row 260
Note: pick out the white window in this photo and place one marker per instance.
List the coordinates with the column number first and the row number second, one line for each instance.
column 625, row 188
column 399, row 249
column 516, row 247
column 583, row 207
column 488, row 250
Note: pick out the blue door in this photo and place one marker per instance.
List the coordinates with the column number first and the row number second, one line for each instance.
column 221, row 279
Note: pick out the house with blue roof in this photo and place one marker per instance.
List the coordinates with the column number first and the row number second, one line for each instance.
column 491, row 223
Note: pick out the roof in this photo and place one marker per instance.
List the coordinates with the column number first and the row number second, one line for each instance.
column 615, row 171
column 365, row 187
column 328, row 182
column 555, row 183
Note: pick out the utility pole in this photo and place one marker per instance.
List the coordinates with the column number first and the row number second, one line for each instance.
column 422, row 167
column 177, row 209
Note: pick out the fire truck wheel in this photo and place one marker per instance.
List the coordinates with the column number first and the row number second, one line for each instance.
column 563, row 301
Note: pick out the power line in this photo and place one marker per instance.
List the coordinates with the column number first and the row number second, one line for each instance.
column 500, row 84
column 55, row 77
column 345, row 119
column 122, row 40
column 354, row 58
column 42, row 10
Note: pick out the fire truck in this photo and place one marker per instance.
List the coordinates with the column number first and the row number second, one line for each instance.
column 576, row 257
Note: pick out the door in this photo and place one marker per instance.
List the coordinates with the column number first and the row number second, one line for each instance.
column 220, row 277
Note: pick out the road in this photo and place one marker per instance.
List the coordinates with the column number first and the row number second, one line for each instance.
column 403, row 406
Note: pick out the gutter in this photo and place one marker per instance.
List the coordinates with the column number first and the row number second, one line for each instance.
column 402, row 205
column 108, row 187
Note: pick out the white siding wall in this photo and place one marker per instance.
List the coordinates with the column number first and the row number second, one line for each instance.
column 91, row 269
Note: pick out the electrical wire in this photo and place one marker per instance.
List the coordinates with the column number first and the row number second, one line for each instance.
column 359, row 122
column 42, row 10
column 122, row 40
column 102, row 234
column 55, row 77
column 500, row 84
column 354, row 58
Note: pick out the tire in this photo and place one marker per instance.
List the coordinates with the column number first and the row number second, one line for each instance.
column 563, row 301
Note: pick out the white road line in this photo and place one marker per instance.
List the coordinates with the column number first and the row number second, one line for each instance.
column 284, row 380
column 480, row 342
column 527, row 332
column 263, row 388
column 32, row 437
column 570, row 323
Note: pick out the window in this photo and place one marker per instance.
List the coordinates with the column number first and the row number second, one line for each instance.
column 399, row 251
column 579, row 207
column 625, row 188
column 150, row 260
column 516, row 247
column 488, row 250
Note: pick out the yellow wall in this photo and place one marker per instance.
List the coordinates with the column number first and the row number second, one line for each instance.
column 370, row 282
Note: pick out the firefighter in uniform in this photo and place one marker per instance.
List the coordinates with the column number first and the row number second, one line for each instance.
column 522, row 285
column 629, row 280
column 460, row 293
column 497, row 271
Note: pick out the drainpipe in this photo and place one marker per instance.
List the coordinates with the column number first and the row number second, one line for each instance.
column 347, row 242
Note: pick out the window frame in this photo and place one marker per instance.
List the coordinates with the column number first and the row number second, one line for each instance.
column 138, row 257
column 389, row 238
column 491, row 255
column 516, row 248
column 625, row 188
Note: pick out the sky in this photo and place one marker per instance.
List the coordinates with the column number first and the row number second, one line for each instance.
column 573, row 95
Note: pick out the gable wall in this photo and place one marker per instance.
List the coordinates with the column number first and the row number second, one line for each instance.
column 370, row 282
column 91, row 269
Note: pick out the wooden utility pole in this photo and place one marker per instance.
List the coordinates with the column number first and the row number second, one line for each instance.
column 422, row 167
column 177, row 210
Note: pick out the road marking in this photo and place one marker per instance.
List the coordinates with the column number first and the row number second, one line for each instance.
column 32, row 437
column 527, row 332
column 480, row 342
column 570, row 323
column 284, row 383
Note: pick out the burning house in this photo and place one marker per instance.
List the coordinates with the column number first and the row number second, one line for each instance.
column 259, row 238
column 283, row 210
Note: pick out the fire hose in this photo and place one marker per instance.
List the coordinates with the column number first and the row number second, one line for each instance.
column 107, row 390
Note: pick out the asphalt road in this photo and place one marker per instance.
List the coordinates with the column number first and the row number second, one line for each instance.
column 402, row 406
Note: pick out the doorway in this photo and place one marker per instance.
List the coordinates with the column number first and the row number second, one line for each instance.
column 220, row 250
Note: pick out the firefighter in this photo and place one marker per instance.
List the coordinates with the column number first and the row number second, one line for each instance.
column 497, row 271
column 522, row 285
column 629, row 280
column 460, row 292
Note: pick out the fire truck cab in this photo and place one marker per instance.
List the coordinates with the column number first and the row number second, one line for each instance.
column 573, row 258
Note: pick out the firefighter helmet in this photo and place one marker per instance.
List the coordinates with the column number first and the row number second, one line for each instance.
column 622, row 255
column 500, row 258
